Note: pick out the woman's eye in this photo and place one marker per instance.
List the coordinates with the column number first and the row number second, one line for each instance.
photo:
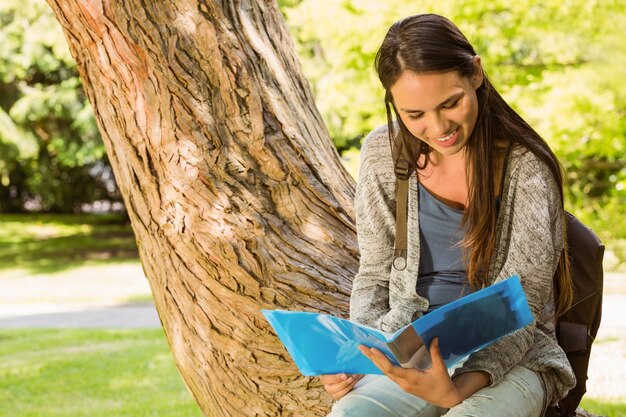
column 415, row 116
column 452, row 105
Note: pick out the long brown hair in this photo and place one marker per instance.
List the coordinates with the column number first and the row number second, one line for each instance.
column 430, row 43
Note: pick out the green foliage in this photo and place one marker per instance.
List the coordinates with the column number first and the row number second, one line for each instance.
column 337, row 43
column 51, row 153
column 560, row 64
column 80, row 373
column 578, row 105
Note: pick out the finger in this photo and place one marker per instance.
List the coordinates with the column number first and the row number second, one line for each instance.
column 333, row 378
column 377, row 357
column 357, row 377
column 384, row 364
column 435, row 355
column 336, row 388
column 381, row 360
column 337, row 396
column 340, row 393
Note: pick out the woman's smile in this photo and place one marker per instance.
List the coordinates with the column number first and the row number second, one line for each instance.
column 448, row 140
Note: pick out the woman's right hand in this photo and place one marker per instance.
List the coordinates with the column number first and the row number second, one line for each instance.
column 338, row 385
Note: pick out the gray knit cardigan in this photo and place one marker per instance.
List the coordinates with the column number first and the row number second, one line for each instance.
column 529, row 241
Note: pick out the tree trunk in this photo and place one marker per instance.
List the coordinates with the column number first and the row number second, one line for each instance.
column 237, row 197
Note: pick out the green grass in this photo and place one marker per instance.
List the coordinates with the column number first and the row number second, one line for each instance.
column 117, row 373
column 602, row 407
column 104, row 373
column 90, row 373
column 53, row 243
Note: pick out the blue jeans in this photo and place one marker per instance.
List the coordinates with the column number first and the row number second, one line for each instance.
column 520, row 394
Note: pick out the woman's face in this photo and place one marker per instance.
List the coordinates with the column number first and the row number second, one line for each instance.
column 439, row 108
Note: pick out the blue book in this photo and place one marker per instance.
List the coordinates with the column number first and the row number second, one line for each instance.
column 322, row 344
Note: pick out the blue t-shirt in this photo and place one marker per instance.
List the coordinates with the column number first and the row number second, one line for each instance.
column 442, row 275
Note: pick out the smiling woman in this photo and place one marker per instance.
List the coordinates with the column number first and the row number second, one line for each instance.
column 485, row 203
column 451, row 107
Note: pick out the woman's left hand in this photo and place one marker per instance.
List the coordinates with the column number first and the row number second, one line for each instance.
column 433, row 385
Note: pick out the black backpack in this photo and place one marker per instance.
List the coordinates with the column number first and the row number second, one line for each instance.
column 576, row 329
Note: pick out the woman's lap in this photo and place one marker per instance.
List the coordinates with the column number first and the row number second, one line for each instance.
column 519, row 394
column 377, row 395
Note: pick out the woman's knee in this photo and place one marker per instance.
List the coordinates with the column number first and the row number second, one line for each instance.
column 520, row 394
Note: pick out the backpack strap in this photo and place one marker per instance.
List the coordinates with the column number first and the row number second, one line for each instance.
column 403, row 172
column 402, row 196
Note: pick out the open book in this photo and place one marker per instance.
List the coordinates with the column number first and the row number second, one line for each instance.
column 322, row 344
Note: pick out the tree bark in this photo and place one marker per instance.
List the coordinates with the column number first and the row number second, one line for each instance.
column 236, row 195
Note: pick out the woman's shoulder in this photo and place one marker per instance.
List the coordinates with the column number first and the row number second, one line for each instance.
column 376, row 143
column 376, row 153
column 523, row 161
column 529, row 172
column 376, row 167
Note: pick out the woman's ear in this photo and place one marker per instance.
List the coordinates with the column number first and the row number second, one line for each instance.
column 478, row 77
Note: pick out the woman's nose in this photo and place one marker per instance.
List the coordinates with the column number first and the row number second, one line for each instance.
column 437, row 126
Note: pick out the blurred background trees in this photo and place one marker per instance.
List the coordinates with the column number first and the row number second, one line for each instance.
column 51, row 156
column 559, row 63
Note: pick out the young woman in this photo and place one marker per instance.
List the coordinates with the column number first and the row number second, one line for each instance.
column 462, row 235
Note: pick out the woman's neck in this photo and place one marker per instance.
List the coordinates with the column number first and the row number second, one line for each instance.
column 445, row 176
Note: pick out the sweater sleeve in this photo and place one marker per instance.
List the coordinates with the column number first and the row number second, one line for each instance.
column 535, row 240
column 374, row 205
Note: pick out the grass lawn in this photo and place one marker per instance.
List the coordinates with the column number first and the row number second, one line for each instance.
column 113, row 373
column 604, row 408
column 51, row 258
column 53, row 243
column 108, row 373
column 90, row 373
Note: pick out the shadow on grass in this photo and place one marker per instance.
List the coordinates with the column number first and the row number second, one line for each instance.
column 53, row 243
